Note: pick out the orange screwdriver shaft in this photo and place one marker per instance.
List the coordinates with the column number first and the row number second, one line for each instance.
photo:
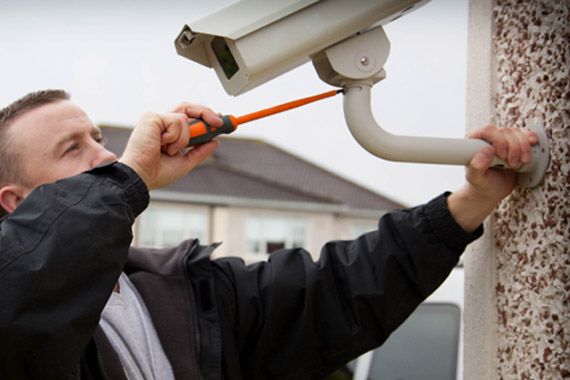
column 283, row 107
column 201, row 132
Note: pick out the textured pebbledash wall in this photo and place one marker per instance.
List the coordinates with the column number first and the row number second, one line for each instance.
column 532, row 233
column 519, row 275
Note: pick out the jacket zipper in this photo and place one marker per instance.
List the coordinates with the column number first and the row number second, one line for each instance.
column 194, row 313
column 203, row 254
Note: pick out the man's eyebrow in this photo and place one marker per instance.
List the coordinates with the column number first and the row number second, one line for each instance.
column 95, row 131
column 67, row 138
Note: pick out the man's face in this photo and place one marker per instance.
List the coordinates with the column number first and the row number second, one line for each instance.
column 55, row 141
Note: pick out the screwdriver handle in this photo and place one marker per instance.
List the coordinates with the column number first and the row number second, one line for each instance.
column 202, row 132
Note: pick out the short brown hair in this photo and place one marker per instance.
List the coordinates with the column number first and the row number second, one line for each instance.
column 10, row 163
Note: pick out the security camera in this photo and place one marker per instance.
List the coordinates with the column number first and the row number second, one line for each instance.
column 250, row 42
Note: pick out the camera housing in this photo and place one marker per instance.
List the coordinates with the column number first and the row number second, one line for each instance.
column 250, row 42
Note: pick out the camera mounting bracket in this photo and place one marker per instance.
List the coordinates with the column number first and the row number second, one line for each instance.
column 357, row 64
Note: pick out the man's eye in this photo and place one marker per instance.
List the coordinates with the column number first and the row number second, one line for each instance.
column 72, row 148
column 100, row 140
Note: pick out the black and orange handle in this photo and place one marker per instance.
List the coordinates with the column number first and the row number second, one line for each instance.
column 202, row 132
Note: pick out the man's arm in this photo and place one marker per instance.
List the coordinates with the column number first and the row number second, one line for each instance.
column 63, row 249
column 300, row 319
column 292, row 318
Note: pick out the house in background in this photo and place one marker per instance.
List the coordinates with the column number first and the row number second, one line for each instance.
column 255, row 198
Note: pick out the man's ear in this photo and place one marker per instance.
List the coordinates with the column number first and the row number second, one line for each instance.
column 11, row 196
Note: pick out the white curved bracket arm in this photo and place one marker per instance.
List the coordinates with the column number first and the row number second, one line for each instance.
column 451, row 151
column 356, row 64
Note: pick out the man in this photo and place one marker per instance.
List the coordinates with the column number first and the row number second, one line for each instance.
column 78, row 302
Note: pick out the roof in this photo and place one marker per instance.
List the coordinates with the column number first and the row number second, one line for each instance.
column 254, row 169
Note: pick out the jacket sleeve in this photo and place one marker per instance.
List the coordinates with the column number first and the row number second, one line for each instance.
column 62, row 251
column 297, row 319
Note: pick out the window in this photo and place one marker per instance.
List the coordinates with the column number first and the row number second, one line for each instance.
column 166, row 227
column 268, row 234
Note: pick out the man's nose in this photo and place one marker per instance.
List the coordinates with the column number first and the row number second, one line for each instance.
column 102, row 155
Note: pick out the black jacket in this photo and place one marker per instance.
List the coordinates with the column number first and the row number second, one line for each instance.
column 63, row 248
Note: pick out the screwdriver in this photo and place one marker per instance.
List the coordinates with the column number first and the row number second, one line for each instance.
column 202, row 132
